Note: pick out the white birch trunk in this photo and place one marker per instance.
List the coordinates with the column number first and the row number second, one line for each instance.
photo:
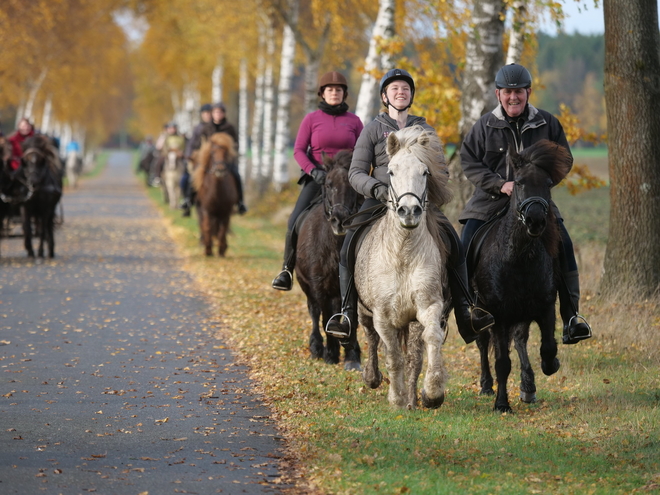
column 189, row 110
column 266, row 169
column 46, row 117
column 258, row 114
column 484, row 56
column 311, row 84
column 20, row 113
column 34, row 89
column 517, row 32
column 176, row 107
column 383, row 29
column 216, row 82
column 243, row 112
column 281, row 158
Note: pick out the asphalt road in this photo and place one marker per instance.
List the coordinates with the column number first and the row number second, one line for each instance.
column 109, row 383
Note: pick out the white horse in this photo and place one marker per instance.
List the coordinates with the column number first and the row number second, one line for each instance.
column 400, row 273
column 172, row 172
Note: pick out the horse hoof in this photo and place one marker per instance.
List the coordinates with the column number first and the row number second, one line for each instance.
column 528, row 397
column 316, row 351
column 432, row 403
column 550, row 369
column 352, row 366
column 503, row 409
column 487, row 391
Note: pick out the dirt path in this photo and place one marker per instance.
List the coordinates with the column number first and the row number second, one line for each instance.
column 109, row 382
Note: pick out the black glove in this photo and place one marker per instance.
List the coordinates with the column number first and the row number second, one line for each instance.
column 318, row 175
column 380, row 192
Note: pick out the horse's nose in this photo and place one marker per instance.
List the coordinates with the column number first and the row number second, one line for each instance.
column 409, row 215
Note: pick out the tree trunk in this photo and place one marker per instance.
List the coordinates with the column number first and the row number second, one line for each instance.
column 484, row 55
column 216, row 82
column 517, row 32
column 243, row 112
column 258, row 114
column 266, row 169
column 632, row 96
column 383, row 29
column 281, row 159
column 34, row 89
column 46, row 117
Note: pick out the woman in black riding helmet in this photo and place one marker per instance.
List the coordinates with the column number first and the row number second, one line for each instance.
column 369, row 176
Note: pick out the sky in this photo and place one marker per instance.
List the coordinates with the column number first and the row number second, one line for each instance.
column 581, row 17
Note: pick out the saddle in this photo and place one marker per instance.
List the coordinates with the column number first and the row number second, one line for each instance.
column 303, row 215
column 473, row 250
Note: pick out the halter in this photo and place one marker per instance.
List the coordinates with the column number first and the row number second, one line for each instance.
column 527, row 203
column 422, row 201
column 328, row 208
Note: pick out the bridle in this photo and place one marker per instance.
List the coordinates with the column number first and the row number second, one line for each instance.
column 396, row 198
column 218, row 167
column 525, row 205
column 329, row 208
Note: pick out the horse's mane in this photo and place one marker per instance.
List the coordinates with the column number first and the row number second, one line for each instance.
column 342, row 159
column 550, row 157
column 221, row 139
column 45, row 146
column 427, row 147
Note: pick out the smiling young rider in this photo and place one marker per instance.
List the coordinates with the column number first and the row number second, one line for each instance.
column 369, row 176
column 483, row 157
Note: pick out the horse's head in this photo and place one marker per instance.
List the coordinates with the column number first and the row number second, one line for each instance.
column 220, row 152
column 536, row 170
column 340, row 200
column 417, row 173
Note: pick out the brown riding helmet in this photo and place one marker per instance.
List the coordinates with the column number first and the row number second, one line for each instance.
column 333, row 78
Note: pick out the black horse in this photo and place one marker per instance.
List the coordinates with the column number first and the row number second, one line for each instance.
column 14, row 191
column 317, row 260
column 516, row 274
column 43, row 173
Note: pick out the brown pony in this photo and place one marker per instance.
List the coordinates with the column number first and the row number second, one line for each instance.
column 217, row 191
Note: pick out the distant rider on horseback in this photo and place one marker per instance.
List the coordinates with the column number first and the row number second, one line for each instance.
column 193, row 145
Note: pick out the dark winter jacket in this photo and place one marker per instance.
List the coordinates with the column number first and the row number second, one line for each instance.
column 371, row 152
column 483, row 155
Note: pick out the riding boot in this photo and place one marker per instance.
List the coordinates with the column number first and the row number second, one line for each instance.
column 470, row 319
column 341, row 324
column 576, row 327
column 239, row 189
column 284, row 280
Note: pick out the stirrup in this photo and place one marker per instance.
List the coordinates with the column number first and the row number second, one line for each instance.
column 336, row 326
column 477, row 313
column 569, row 336
column 279, row 284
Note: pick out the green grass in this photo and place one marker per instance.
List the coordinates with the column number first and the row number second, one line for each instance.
column 595, row 427
column 586, row 214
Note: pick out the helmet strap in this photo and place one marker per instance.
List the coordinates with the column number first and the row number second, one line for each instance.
column 389, row 104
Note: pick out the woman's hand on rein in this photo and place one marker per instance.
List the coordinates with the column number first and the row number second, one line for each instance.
column 318, row 175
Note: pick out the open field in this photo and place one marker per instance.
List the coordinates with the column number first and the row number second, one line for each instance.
column 594, row 429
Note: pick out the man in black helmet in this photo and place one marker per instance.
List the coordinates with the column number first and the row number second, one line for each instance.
column 483, row 157
column 369, row 176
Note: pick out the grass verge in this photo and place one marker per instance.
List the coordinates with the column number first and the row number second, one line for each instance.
column 594, row 429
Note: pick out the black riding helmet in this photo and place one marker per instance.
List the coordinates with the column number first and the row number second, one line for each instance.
column 513, row 76
column 397, row 75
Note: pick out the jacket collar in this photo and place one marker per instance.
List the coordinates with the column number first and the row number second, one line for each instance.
column 385, row 119
column 533, row 116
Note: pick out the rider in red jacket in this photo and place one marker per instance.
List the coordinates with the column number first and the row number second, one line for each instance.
column 24, row 131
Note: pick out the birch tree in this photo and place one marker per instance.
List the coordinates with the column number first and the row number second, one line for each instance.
column 483, row 57
column 266, row 169
column 375, row 62
column 632, row 94
column 216, row 82
column 243, row 114
column 517, row 32
column 258, row 113
column 281, row 158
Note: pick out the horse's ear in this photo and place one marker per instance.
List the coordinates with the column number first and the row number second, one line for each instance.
column 393, row 144
column 326, row 161
column 424, row 139
column 512, row 156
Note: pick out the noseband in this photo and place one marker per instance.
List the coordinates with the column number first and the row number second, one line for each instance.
column 423, row 200
column 524, row 206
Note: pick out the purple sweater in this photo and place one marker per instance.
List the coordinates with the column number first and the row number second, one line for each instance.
column 321, row 132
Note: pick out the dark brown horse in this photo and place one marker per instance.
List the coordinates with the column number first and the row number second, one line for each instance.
column 43, row 174
column 516, row 273
column 216, row 190
column 317, row 260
